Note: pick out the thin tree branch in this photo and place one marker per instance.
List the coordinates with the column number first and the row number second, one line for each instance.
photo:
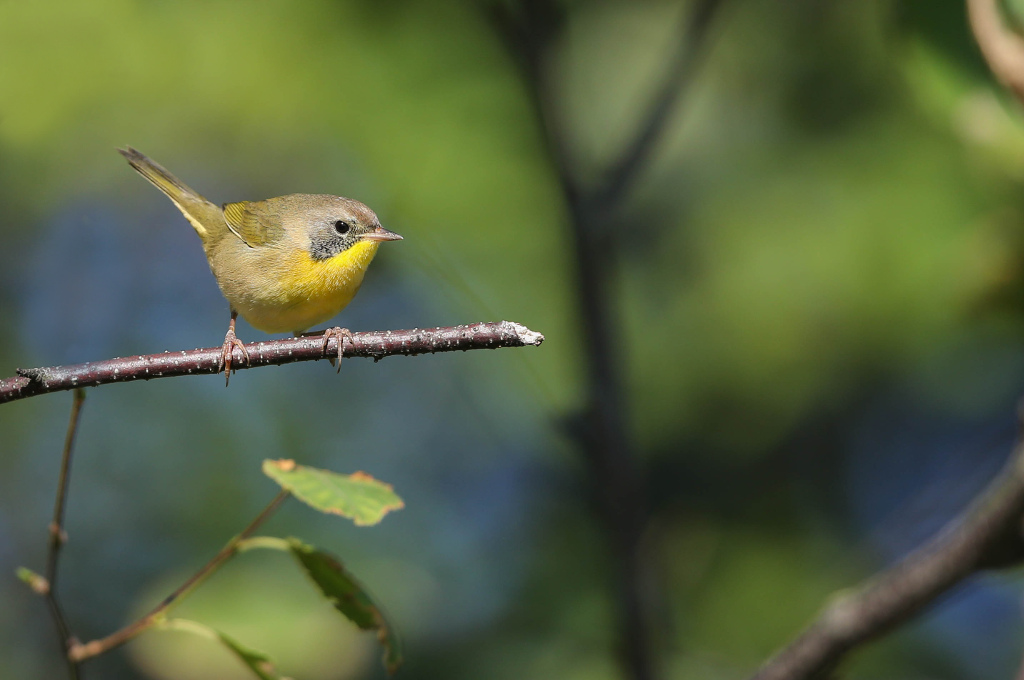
column 986, row 535
column 58, row 538
column 372, row 344
column 623, row 173
column 82, row 652
column 1002, row 48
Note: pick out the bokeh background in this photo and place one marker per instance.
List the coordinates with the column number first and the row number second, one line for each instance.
column 818, row 292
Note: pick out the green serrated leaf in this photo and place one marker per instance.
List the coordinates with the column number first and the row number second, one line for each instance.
column 358, row 496
column 37, row 582
column 349, row 597
column 258, row 662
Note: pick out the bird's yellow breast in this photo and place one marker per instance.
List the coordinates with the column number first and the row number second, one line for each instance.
column 299, row 292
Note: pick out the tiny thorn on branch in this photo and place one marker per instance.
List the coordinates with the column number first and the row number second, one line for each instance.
column 370, row 344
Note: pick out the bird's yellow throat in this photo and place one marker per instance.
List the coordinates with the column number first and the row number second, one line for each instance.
column 317, row 289
column 333, row 276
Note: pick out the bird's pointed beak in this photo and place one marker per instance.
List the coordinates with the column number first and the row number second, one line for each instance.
column 382, row 234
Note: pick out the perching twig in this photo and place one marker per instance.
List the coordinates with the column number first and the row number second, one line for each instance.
column 80, row 652
column 58, row 537
column 372, row 344
column 986, row 535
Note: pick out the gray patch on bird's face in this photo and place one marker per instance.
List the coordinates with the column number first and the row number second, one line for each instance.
column 334, row 224
column 326, row 243
column 327, row 239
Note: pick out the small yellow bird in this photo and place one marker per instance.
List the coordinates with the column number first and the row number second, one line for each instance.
column 285, row 264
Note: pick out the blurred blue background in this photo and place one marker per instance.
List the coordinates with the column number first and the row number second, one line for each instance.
column 820, row 289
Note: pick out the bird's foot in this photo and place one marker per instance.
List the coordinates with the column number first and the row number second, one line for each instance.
column 231, row 341
column 340, row 334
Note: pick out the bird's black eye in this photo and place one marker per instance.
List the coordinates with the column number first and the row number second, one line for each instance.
column 341, row 226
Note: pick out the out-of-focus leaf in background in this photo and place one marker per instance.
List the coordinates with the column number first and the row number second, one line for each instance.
column 822, row 292
column 349, row 597
column 267, row 606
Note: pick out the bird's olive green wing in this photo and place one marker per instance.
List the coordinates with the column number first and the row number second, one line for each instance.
column 253, row 223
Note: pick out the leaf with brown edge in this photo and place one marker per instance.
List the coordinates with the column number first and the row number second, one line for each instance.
column 358, row 496
column 349, row 597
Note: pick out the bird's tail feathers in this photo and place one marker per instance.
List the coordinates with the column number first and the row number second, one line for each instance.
column 196, row 208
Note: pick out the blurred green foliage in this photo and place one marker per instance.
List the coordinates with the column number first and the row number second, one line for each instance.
column 821, row 266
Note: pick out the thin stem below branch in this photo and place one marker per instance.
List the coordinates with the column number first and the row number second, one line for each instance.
column 58, row 537
column 373, row 344
column 81, row 652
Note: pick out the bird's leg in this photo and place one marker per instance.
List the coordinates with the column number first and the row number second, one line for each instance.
column 231, row 341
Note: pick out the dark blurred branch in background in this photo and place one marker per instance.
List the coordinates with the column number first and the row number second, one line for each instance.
column 988, row 535
column 371, row 344
column 531, row 29
column 624, row 172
